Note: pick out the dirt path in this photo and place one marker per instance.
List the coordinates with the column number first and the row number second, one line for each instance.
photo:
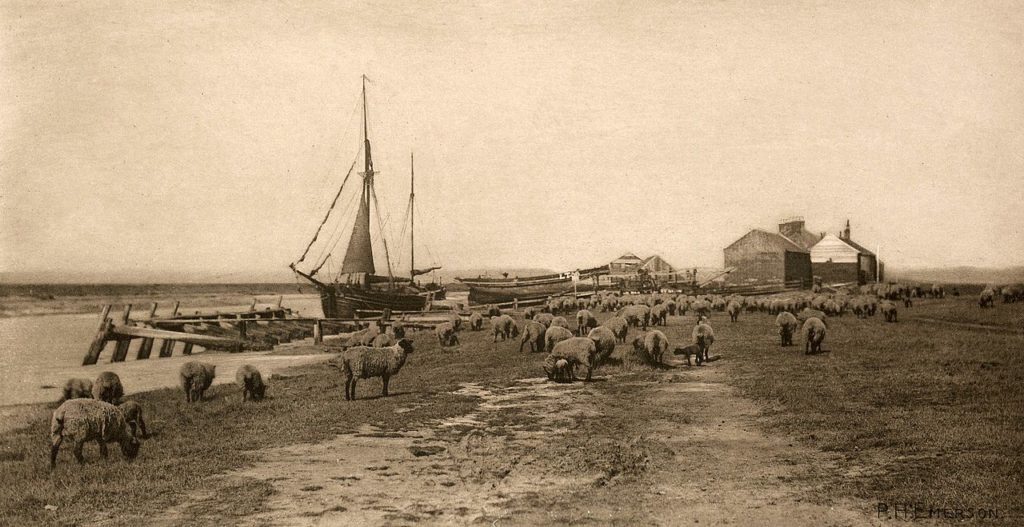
column 967, row 325
column 671, row 448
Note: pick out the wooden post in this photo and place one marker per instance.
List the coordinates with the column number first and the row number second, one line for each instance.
column 515, row 304
column 252, row 306
column 152, row 311
column 167, row 348
column 188, row 349
column 318, row 332
column 280, row 299
column 100, row 340
column 242, row 329
column 126, row 313
column 386, row 314
column 121, row 350
column 174, row 312
column 145, row 349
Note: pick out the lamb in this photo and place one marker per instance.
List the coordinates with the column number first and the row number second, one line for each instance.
column 365, row 362
column 133, row 416
column 533, row 333
column 703, row 336
column 81, row 420
column 733, row 307
column 787, row 325
column 654, row 344
column 585, row 322
column 888, row 310
column 544, row 318
column 446, row 335
column 476, row 322
column 604, row 339
column 554, row 335
column 560, row 322
column 509, row 326
column 196, row 377
column 692, row 349
column 558, row 370
column 814, row 331
column 618, row 326
column 249, row 378
column 77, row 389
column 579, row 351
column 107, row 388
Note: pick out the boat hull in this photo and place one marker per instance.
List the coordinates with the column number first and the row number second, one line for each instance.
column 503, row 290
column 343, row 301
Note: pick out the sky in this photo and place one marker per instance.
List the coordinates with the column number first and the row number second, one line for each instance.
column 205, row 139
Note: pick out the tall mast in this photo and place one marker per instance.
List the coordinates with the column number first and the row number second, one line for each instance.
column 359, row 256
column 412, row 217
column 368, row 172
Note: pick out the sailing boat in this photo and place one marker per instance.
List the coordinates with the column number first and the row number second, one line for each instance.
column 357, row 287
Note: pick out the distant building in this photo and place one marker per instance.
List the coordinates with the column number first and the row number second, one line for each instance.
column 762, row 257
column 793, row 229
column 626, row 264
column 625, row 267
column 838, row 259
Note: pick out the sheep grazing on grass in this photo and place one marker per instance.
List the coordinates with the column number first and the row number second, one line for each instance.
column 671, row 306
column 579, row 351
column 530, row 312
column 604, row 339
column 703, row 336
column 493, row 310
column 456, row 321
column 733, row 308
column 808, row 313
column 652, row 344
column 553, row 335
column 888, row 310
column 701, row 307
column 196, row 377
column 398, row 329
column 365, row 362
column 686, row 351
column 533, row 333
column 788, row 325
column 249, row 378
column 585, row 321
column 476, row 322
column 498, row 329
column 987, row 298
column 636, row 316
column 108, row 388
column 509, row 326
column 618, row 326
column 383, row 340
column 814, row 334
column 81, row 420
column 133, row 416
column 544, row 318
column 446, row 335
column 558, row 370
column 561, row 322
column 659, row 315
column 77, row 389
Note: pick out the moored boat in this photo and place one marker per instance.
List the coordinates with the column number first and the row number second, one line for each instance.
column 501, row 290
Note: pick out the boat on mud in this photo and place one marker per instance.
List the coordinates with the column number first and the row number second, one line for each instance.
column 502, row 290
column 357, row 287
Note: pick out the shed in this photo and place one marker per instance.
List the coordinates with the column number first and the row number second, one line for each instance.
column 766, row 257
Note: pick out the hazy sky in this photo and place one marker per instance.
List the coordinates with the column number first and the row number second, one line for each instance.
column 208, row 137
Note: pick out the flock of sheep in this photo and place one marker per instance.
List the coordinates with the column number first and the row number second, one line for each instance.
column 96, row 410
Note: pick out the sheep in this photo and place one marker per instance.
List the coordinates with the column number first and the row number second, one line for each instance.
column 383, row 340
column 364, row 362
column 493, row 310
column 455, row 320
column 659, row 315
column 653, row 343
column 81, row 420
column 579, row 351
column 787, row 325
column 133, row 416
column 544, row 318
column 560, row 322
column 398, row 329
column 554, row 335
column 446, row 335
column 619, row 326
column 533, row 333
column 249, row 378
column 605, row 341
column 636, row 316
column 733, row 307
column 703, row 336
column 530, row 312
column 814, row 334
column 77, row 389
column 196, row 377
column 476, row 322
column 671, row 306
column 585, row 321
column 807, row 313
column 108, row 388
column 509, row 326
column 888, row 310
column 558, row 370
column 692, row 349
column 498, row 328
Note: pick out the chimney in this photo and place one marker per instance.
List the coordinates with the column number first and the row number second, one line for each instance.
column 791, row 228
column 846, row 231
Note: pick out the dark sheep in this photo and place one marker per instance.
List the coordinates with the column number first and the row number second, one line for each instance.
column 251, row 381
column 108, row 388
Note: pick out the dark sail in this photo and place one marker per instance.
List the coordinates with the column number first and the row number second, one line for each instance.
column 359, row 256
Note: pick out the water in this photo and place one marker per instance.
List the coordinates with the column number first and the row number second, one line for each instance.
column 39, row 351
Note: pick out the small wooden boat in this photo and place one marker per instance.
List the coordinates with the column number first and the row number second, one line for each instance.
column 501, row 290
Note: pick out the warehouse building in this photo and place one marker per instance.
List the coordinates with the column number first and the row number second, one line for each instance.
column 838, row 259
column 762, row 257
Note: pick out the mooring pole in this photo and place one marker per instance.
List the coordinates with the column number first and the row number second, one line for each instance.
column 100, row 340
column 318, row 332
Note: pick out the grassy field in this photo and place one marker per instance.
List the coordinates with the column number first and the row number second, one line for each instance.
column 911, row 412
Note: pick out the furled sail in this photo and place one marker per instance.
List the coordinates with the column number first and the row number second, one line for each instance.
column 359, row 256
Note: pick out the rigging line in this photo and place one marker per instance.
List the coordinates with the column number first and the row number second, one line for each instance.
column 328, row 215
column 328, row 171
column 334, row 238
column 317, row 268
column 383, row 238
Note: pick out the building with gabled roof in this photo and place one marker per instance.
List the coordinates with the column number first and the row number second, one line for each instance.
column 838, row 259
column 762, row 257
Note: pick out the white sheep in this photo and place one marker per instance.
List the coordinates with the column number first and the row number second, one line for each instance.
column 544, row 318
column 703, row 336
column 251, row 381
column 364, row 362
column 814, row 333
column 585, row 321
column 446, row 335
column 553, row 335
column 196, row 377
column 733, row 308
column 618, row 326
column 888, row 310
column 651, row 346
column 787, row 324
column 476, row 321
column 107, row 387
column 533, row 333
column 604, row 339
column 559, row 322
column 579, row 351
column 81, row 420
column 509, row 327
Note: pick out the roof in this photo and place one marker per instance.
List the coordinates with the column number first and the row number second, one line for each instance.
column 783, row 241
column 805, row 238
column 655, row 261
column 629, row 257
column 857, row 246
column 832, row 239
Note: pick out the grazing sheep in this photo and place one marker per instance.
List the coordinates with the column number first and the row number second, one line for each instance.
column 554, row 335
column 618, row 326
column 659, row 315
column 509, row 326
column 77, row 389
column 498, row 328
column 987, row 298
column 476, row 321
column 455, row 320
column 579, row 351
column 701, row 307
column 493, row 310
column 533, row 333
column 671, row 306
column 558, row 370
column 692, row 349
column 636, row 315
column 446, row 335
column 81, row 420
column 249, row 378
column 196, row 377
column 703, row 336
column 585, row 321
column 807, row 313
column 544, row 318
column 787, row 326
column 530, row 312
column 814, row 333
column 560, row 322
column 604, row 339
column 733, row 308
column 398, row 329
column 888, row 310
column 107, row 388
column 365, row 362
column 383, row 340
column 133, row 416
column 654, row 344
